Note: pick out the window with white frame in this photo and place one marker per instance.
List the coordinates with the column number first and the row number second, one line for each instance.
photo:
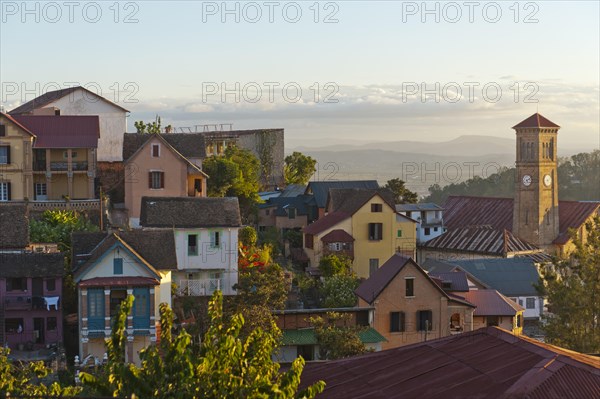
column 530, row 303
column 4, row 191
column 335, row 246
column 4, row 154
column 40, row 189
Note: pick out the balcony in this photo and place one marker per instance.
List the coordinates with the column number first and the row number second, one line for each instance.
column 28, row 302
column 78, row 205
column 199, row 287
column 64, row 166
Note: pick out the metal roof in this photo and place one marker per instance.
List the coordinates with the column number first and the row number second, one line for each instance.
column 337, row 235
column 329, row 220
column 426, row 206
column 320, row 189
column 535, row 120
column 486, row 363
column 456, row 279
column 119, row 281
column 62, row 131
column 491, row 303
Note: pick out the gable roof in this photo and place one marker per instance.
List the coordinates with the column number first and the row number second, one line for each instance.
column 320, row 189
column 425, row 206
column 337, row 235
column 464, row 211
column 326, row 222
column 28, row 264
column 72, row 131
column 48, row 97
column 456, row 279
column 350, row 200
column 16, row 122
column 14, row 225
column 189, row 145
column 490, row 302
column 535, row 120
column 510, row 276
column 486, row 363
column 282, row 203
column 190, row 212
column 155, row 248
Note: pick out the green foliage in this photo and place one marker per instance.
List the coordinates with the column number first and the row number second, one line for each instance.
column 57, row 226
column 337, row 337
column 247, row 236
column 235, row 174
column 402, row 195
column 271, row 237
column 148, row 128
column 338, row 291
column 572, row 288
column 225, row 367
column 332, row 265
column 298, row 168
column 24, row 379
column 294, row 237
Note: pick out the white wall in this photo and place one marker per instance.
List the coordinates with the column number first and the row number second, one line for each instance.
column 536, row 312
column 113, row 121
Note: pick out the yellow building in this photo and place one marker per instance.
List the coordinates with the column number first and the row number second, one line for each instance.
column 362, row 224
column 16, row 142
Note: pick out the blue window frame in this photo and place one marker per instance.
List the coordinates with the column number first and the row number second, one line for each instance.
column 95, row 298
column 118, row 266
column 141, row 308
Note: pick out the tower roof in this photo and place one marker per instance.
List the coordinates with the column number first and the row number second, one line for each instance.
column 535, row 120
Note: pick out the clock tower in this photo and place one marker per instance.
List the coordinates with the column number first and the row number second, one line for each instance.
column 535, row 214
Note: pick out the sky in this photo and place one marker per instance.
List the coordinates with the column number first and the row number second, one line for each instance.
column 327, row 72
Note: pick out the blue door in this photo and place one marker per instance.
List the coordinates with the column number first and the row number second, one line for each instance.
column 95, row 297
column 141, row 309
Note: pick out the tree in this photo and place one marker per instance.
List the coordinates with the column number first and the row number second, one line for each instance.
column 572, row 288
column 338, row 291
column 149, row 128
column 333, row 264
column 337, row 337
column 247, row 236
column 225, row 366
column 402, row 195
column 298, row 168
column 23, row 380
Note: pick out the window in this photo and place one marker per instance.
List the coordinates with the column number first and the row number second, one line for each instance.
column 141, row 308
column 51, row 323
column 397, row 320
column 4, row 191
column 519, row 320
column 4, row 154
column 373, row 266
column 66, row 154
column 116, row 297
column 155, row 150
column 376, row 207
column 309, row 240
column 375, row 231
column 118, row 266
column 40, row 190
column 435, row 229
column 521, row 302
column 267, row 212
column 427, row 231
column 215, row 239
column 156, row 180
column 198, row 185
column 95, row 309
column 57, row 112
column 16, row 284
column 410, row 286
column 193, row 244
column 455, row 321
column 2, row 130
column 291, row 213
column 399, row 233
column 13, row 325
column 530, row 303
column 492, row 321
column 425, row 320
column 335, row 246
column 51, row 284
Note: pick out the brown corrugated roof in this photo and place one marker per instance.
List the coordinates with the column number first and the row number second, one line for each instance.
column 47, row 98
column 19, row 125
column 350, row 200
column 465, row 211
column 457, row 279
column 337, row 235
column 119, row 281
column 327, row 221
column 487, row 363
column 62, row 131
column 535, row 120
column 491, row 303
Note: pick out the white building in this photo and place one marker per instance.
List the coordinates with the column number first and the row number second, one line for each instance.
column 429, row 218
column 80, row 101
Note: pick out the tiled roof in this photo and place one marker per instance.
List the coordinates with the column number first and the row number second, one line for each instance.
column 47, row 98
column 320, row 189
column 123, row 281
column 14, row 225
column 426, row 206
column 28, row 264
column 350, row 200
column 486, row 363
column 535, row 120
column 62, row 131
column 307, row 336
column 465, row 211
column 458, row 280
column 480, row 239
column 510, row 276
column 190, row 145
column 337, row 235
column 190, row 212
column 491, row 303
column 327, row 221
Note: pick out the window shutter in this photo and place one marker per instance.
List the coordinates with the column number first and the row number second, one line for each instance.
column 162, row 179
column 401, row 318
column 394, row 321
column 8, row 155
column 8, row 191
column 149, row 179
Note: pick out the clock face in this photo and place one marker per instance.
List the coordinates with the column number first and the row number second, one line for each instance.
column 526, row 180
column 548, row 180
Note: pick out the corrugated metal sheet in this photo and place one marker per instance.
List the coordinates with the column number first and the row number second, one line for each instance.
column 327, row 221
column 487, row 363
column 572, row 214
column 62, row 131
column 458, row 280
column 491, row 303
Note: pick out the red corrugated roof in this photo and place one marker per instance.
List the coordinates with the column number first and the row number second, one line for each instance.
column 572, row 214
column 487, row 363
column 535, row 120
column 62, row 131
column 491, row 303
column 337, row 235
column 327, row 221
column 119, row 282
column 13, row 120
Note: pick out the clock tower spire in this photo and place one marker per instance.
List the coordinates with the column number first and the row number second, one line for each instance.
column 535, row 213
